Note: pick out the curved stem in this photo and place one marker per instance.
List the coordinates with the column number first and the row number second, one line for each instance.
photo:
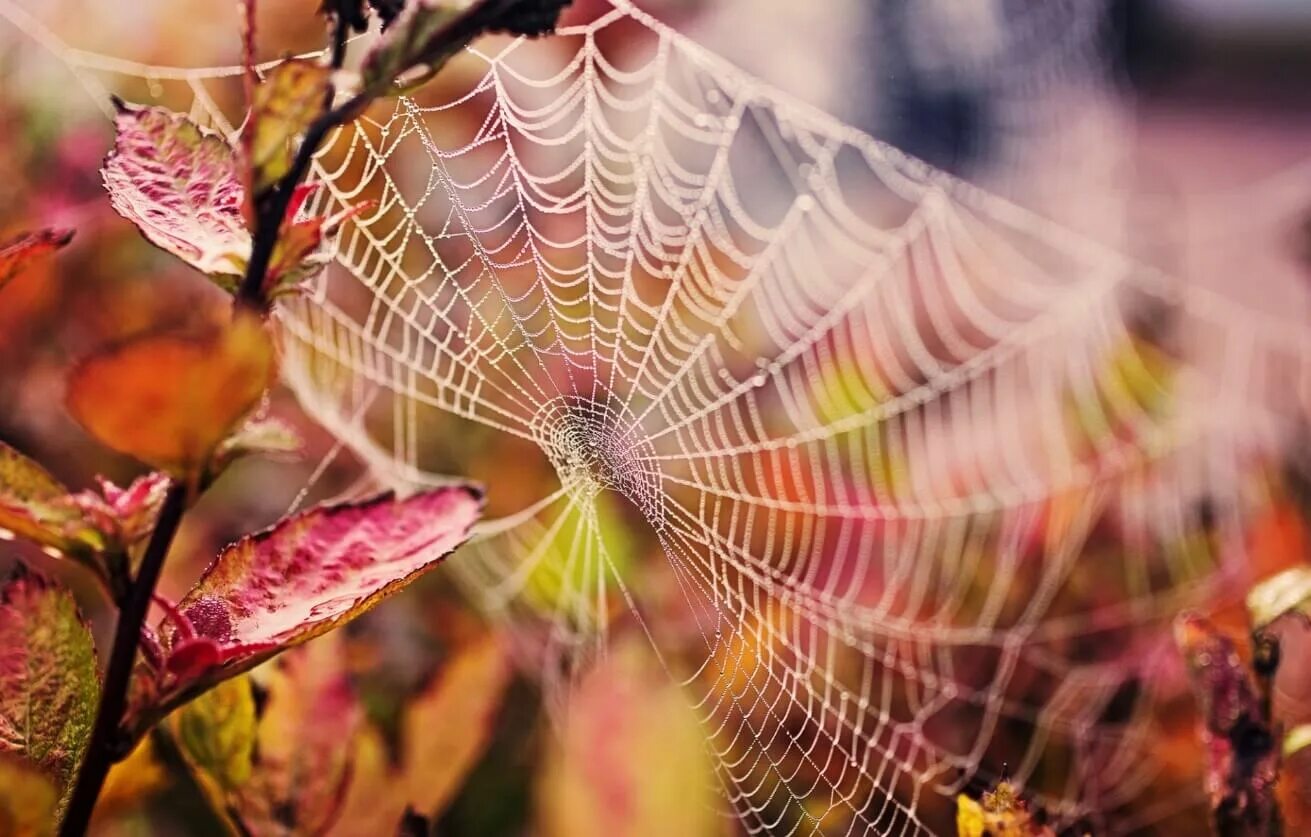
column 106, row 744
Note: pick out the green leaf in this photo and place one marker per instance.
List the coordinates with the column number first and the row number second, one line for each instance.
column 34, row 505
column 281, row 109
column 420, row 36
column 28, row 799
column 1281, row 594
column 309, row 574
column 181, row 186
column 216, row 735
column 49, row 684
column 19, row 251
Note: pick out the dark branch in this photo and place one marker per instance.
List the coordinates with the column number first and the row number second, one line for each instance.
column 107, row 740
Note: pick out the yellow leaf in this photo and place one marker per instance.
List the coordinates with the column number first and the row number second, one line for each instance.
column 170, row 400
column 632, row 759
column 35, row 506
column 374, row 800
column 216, row 735
column 283, row 107
column 27, row 800
column 133, row 780
column 969, row 817
column 445, row 729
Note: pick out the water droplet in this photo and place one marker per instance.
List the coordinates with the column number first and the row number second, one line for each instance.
column 52, row 552
column 6, row 535
column 759, row 380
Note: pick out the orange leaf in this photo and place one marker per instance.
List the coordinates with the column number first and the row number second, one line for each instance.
column 170, row 400
column 631, row 759
column 444, row 730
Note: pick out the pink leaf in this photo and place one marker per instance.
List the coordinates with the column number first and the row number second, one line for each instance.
column 313, row 572
column 181, row 186
column 124, row 515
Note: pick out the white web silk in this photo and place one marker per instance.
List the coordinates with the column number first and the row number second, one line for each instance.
column 872, row 424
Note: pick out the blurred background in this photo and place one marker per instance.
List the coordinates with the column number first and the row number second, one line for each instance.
column 1176, row 131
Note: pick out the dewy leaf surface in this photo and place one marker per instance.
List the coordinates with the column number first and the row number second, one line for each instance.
column 170, row 400
column 314, row 571
column 17, row 252
column 283, row 107
column 181, row 186
column 49, row 684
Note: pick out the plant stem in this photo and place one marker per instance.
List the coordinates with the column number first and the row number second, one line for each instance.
column 271, row 207
column 106, row 744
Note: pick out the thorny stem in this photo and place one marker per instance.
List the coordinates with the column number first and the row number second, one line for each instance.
column 106, row 744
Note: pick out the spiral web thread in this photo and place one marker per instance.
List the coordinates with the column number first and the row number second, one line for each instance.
column 875, row 424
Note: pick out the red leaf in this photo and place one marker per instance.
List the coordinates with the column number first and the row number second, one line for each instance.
column 313, row 572
column 22, row 248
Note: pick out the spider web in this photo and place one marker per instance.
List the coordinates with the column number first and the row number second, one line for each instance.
column 903, row 482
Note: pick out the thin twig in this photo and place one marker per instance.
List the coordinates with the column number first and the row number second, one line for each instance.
column 271, row 210
column 106, row 744
column 271, row 207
